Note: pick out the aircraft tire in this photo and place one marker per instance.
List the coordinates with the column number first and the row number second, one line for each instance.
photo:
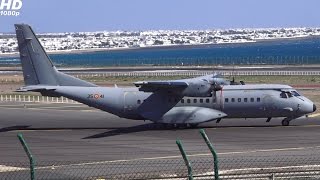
column 285, row 122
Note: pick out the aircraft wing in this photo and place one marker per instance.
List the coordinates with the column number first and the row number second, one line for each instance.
column 152, row 86
column 202, row 86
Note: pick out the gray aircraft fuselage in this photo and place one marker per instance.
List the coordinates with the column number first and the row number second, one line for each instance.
column 185, row 101
column 237, row 101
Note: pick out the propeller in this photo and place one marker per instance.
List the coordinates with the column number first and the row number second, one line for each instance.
column 215, row 84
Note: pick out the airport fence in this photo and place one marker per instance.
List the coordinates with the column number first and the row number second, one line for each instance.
column 296, row 165
column 34, row 99
column 202, row 168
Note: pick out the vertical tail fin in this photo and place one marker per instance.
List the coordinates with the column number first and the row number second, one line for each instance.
column 36, row 64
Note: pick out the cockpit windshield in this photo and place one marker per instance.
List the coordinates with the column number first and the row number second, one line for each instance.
column 295, row 93
column 289, row 94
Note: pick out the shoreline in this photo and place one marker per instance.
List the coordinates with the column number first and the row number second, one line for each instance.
column 309, row 67
column 164, row 47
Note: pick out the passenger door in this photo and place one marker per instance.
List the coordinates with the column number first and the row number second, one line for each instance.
column 130, row 101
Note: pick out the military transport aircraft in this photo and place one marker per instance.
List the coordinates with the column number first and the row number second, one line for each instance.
column 178, row 102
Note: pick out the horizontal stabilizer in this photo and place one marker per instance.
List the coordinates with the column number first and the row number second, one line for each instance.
column 36, row 88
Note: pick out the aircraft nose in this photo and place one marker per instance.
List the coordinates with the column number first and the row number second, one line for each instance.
column 314, row 107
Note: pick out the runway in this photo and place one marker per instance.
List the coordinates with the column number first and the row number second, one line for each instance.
column 72, row 134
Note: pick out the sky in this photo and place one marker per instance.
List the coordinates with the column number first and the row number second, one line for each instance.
column 97, row 15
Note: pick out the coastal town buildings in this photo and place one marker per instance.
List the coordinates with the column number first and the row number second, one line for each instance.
column 134, row 39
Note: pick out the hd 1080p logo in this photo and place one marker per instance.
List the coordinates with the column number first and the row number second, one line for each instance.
column 10, row 7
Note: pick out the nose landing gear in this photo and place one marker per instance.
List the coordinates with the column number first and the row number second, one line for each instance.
column 285, row 122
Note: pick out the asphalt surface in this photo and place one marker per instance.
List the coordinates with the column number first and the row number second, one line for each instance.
column 64, row 136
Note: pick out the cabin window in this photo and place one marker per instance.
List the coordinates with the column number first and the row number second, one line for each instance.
column 207, row 100
column 139, row 101
column 188, row 101
column 245, row 99
column 258, row 99
column 226, row 100
column 283, row 95
column 232, row 100
column 182, row 100
column 239, row 99
column 176, row 100
column 201, row 100
column 194, row 100
column 251, row 99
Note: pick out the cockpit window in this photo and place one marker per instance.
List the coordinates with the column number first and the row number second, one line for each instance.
column 295, row 93
column 289, row 94
column 283, row 95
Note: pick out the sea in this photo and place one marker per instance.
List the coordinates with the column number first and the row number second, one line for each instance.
column 272, row 52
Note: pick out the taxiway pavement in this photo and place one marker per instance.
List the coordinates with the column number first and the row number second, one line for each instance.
column 71, row 134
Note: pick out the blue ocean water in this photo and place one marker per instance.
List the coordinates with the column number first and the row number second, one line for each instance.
column 288, row 51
